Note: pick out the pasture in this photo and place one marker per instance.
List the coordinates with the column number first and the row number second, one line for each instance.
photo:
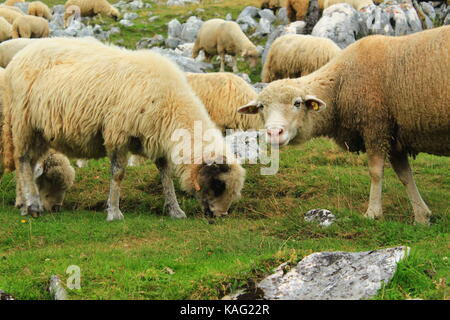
column 148, row 255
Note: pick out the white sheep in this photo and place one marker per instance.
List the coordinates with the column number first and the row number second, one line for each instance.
column 30, row 27
column 90, row 8
column 39, row 9
column 294, row 55
column 12, row 2
column 9, row 14
column 8, row 49
column 89, row 100
column 5, row 30
column 220, row 37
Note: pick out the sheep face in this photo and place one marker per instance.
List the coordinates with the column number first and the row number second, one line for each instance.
column 219, row 185
column 287, row 112
column 51, row 197
column 252, row 56
column 114, row 13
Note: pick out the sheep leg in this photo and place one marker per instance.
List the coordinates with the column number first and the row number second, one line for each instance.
column 222, row 62
column 171, row 202
column 118, row 164
column 28, row 188
column 235, row 68
column 376, row 168
column 403, row 170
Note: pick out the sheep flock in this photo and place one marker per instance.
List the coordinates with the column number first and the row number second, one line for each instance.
column 68, row 97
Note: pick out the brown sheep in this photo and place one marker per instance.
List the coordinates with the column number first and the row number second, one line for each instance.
column 220, row 37
column 30, row 27
column 273, row 5
column 297, row 9
column 39, row 9
column 73, row 12
column 377, row 98
column 295, row 55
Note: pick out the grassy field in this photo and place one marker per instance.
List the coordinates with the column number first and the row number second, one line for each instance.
column 151, row 256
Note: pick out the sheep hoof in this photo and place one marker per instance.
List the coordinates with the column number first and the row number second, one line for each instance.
column 373, row 214
column 422, row 217
column 114, row 214
column 176, row 213
column 34, row 210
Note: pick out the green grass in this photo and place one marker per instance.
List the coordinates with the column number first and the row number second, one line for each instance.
column 129, row 259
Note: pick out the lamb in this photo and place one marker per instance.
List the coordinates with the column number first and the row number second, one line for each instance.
column 5, row 30
column 53, row 173
column 90, row 8
column 297, row 9
column 222, row 94
column 375, row 97
column 39, row 9
column 356, row 4
column 84, row 108
column 9, row 14
column 73, row 12
column 9, row 48
column 220, row 37
column 293, row 56
column 30, row 27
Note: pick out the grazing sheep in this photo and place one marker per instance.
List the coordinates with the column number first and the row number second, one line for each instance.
column 273, row 5
column 89, row 100
column 14, row 8
column 90, row 8
column 71, row 11
column 30, row 27
column 8, row 49
column 297, row 9
column 5, row 30
column 53, row 173
column 220, row 37
column 376, row 97
column 294, row 56
column 356, row 4
column 39, row 9
column 9, row 14
column 222, row 94
column 12, row 2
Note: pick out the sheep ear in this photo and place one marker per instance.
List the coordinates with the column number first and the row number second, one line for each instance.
column 314, row 103
column 249, row 108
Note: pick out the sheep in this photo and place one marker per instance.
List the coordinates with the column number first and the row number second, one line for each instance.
column 53, row 173
column 88, row 100
column 375, row 97
column 273, row 5
column 12, row 2
column 293, row 56
column 356, row 4
column 39, row 9
column 30, row 27
column 9, row 48
column 71, row 11
column 297, row 9
column 9, row 14
column 90, row 8
column 5, row 30
column 14, row 8
column 222, row 94
column 220, row 37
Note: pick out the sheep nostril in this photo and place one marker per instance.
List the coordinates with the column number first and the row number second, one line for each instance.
column 275, row 131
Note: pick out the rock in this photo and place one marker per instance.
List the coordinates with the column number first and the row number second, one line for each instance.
column 172, row 43
column 228, row 17
column 181, row 2
column 296, row 27
column 22, row 6
column 282, row 16
column 340, row 23
column 245, row 77
column 155, row 41
column 323, row 216
column 249, row 11
column 174, row 28
column 137, row 4
column 58, row 9
column 5, row 296
column 114, row 30
column 190, row 29
column 259, row 86
column 126, row 23
column 130, row 16
column 56, row 289
column 154, row 18
column 185, row 63
column 267, row 14
column 185, row 49
column 246, row 22
column 447, row 20
column 263, row 28
column 334, row 275
column 428, row 9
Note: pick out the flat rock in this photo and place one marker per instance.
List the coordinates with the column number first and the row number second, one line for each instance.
column 187, row 64
column 323, row 216
column 334, row 275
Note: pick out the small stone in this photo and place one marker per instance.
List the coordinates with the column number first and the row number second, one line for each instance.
column 5, row 296
column 323, row 216
column 130, row 16
column 174, row 28
column 56, row 289
column 250, row 11
column 228, row 17
column 154, row 18
column 126, row 23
